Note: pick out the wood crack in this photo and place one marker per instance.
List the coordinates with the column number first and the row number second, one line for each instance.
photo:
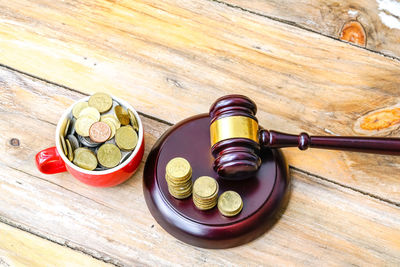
column 346, row 186
column 105, row 258
column 75, row 91
column 40, row 178
column 294, row 24
column 42, row 79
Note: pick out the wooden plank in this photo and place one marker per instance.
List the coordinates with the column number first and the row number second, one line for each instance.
column 379, row 18
column 19, row 248
column 323, row 222
column 172, row 59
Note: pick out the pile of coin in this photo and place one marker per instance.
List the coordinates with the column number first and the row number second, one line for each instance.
column 230, row 203
column 93, row 138
column 178, row 174
column 205, row 193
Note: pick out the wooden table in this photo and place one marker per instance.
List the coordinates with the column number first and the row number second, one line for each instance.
column 172, row 59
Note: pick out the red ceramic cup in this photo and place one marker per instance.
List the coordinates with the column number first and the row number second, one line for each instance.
column 52, row 160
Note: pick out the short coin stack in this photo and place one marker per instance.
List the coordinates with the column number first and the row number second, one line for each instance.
column 92, row 137
column 230, row 203
column 179, row 178
column 205, row 193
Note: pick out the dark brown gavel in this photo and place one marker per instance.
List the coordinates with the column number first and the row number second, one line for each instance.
column 236, row 139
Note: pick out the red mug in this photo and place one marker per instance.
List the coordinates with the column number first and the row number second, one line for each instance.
column 52, row 160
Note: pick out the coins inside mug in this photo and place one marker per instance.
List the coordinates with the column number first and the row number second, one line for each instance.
column 70, row 153
column 99, row 132
column 67, row 127
column 82, row 125
column 78, row 107
column 90, row 112
column 73, row 141
column 133, row 120
column 126, row 138
column 122, row 115
column 109, row 155
column 89, row 134
column 101, row 101
column 63, row 145
column 85, row 159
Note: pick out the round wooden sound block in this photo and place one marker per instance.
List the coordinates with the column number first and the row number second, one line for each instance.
column 262, row 195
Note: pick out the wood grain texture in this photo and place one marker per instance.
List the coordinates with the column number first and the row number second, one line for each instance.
column 19, row 248
column 172, row 59
column 323, row 222
column 379, row 18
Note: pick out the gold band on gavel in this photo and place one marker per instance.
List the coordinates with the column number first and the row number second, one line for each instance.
column 233, row 127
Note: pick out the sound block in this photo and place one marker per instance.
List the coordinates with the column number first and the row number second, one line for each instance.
column 262, row 194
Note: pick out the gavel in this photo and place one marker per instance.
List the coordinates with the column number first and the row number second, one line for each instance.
column 237, row 139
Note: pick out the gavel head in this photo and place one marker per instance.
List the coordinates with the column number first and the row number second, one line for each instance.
column 234, row 137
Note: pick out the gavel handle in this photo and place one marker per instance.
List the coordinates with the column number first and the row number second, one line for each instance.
column 274, row 139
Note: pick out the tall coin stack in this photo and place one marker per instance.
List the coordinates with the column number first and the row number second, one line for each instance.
column 205, row 193
column 179, row 178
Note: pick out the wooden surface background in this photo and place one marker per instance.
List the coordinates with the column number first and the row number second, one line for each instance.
column 170, row 60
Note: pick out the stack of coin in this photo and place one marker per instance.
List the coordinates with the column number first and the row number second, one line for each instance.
column 94, row 129
column 179, row 178
column 230, row 203
column 205, row 193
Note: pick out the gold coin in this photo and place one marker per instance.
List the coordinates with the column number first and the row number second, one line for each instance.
column 63, row 145
column 109, row 155
column 122, row 115
column 133, row 120
column 90, row 112
column 175, row 182
column 205, row 186
column 78, row 108
column 178, row 169
column 113, row 119
column 179, row 181
column 230, row 203
column 101, row 101
column 70, row 151
column 182, row 188
column 66, row 127
column 85, row 159
column 82, row 125
column 180, row 191
column 205, row 207
column 205, row 200
column 112, row 127
column 126, row 138
column 204, row 204
column 177, row 196
column 63, row 126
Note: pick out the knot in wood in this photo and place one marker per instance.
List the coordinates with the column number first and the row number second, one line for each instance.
column 14, row 142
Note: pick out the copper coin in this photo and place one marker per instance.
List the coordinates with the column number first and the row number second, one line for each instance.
column 99, row 132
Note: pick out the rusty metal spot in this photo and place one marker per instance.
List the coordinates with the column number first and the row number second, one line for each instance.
column 381, row 119
column 353, row 32
column 14, row 142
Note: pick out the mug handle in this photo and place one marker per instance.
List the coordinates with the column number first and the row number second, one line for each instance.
column 49, row 161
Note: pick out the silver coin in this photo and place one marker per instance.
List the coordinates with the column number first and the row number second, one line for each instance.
column 100, row 168
column 74, row 141
column 125, row 155
column 71, row 126
column 87, row 142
